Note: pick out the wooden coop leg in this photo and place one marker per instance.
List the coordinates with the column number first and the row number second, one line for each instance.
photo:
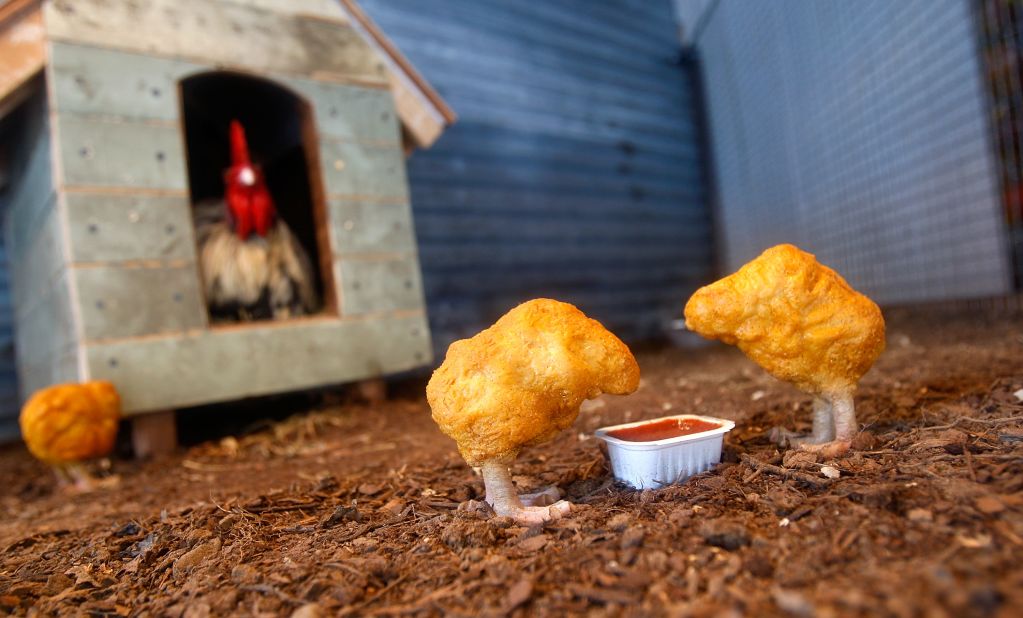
column 372, row 390
column 154, row 435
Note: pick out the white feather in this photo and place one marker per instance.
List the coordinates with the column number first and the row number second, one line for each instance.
column 238, row 271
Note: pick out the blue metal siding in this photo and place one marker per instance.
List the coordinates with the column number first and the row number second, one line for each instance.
column 9, row 403
column 23, row 132
column 575, row 169
column 859, row 131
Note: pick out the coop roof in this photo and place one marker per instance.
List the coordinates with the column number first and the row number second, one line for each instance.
column 22, row 50
column 423, row 113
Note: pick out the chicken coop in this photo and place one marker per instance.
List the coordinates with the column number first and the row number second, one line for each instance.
column 126, row 129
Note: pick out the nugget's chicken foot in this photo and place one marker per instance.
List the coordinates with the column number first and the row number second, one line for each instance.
column 843, row 418
column 527, row 509
column 75, row 478
column 834, row 426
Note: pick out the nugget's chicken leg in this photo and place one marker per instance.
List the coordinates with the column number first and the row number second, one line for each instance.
column 803, row 323
column 521, row 382
column 823, row 421
column 75, row 478
column 834, row 426
column 506, row 501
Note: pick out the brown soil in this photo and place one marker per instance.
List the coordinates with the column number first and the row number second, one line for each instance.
column 358, row 510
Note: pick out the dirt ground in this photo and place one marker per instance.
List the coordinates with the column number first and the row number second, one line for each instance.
column 352, row 510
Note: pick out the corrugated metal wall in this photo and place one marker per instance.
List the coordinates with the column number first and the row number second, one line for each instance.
column 574, row 170
column 21, row 157
column 860, row 131
column 8, row 371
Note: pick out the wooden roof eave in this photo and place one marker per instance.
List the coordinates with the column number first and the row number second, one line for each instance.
column 22, row 50
column 423, row 112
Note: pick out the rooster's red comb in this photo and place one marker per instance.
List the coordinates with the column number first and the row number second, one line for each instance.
column 239, row 147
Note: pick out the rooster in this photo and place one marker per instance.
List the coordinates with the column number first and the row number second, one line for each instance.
column 253, row 267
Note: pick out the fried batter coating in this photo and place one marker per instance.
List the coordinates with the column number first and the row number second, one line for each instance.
column 522, row 380
column 795, row 317
column 804, row 324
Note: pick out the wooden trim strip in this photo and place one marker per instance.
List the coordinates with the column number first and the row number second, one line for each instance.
column 139, row 191
column 192, row 332
column 264, row 325
column 337, row 20
column 325, row 76
column 57, row 114
column 335, row 78
column 133, row 264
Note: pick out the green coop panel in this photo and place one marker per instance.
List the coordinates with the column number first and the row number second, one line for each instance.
column 130, row 147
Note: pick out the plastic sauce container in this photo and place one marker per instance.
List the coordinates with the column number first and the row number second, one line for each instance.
column 663, row 451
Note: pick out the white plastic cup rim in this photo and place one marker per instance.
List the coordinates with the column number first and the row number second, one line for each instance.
column 723, row 427
column 656, row 463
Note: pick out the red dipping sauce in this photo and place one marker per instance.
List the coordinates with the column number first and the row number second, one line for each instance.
column 662, row 430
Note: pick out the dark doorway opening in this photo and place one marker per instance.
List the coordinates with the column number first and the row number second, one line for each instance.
column 282, row 140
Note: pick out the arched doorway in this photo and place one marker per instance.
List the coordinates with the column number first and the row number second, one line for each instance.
column 282, row 139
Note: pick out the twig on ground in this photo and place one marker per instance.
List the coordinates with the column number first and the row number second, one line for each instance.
column 281, row 508
column 367, row 602
column 806, row 479
column 272, row 590
column 456, row 588
column 970, row 419
column 367, row 528
column 969, row 464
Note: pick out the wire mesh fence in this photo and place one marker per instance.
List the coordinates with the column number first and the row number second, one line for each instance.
column 861, row 132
